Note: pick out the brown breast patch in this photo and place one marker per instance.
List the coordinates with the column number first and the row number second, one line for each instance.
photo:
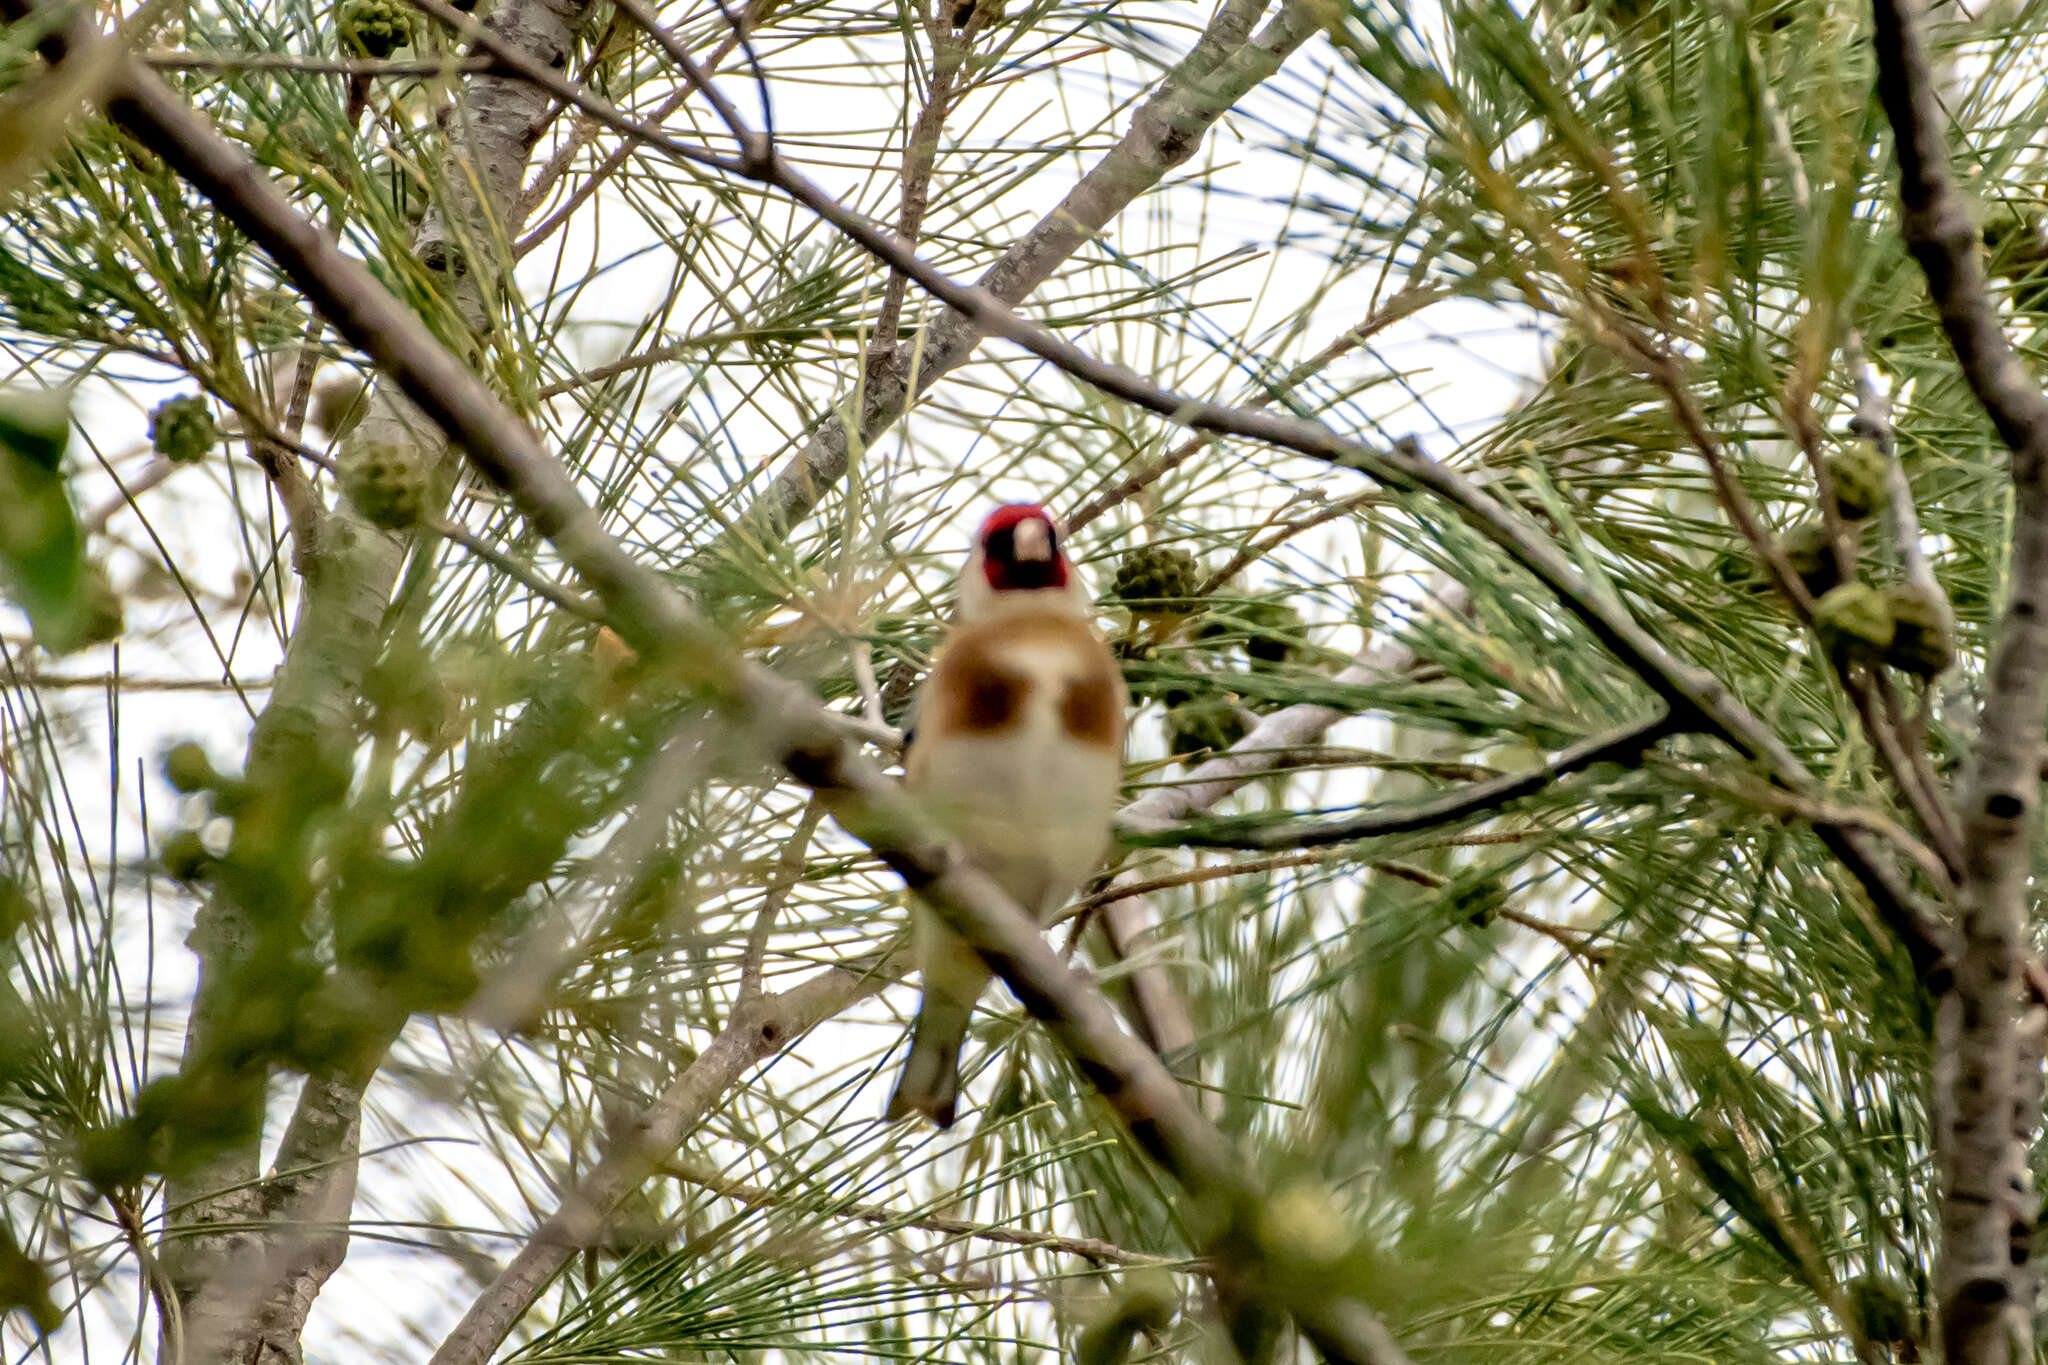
column 1092, row 710
column 992, row 699
column 985, row 677
column 973, row 693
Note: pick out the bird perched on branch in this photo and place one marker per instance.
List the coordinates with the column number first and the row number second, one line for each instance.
column 1017, row 752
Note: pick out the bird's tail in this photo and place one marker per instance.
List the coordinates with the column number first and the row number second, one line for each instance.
column 930, row 1083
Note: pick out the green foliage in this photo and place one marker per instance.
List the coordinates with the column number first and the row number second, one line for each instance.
column 1625, row 1071
column 374, row 28
column 1855, row 619
column 42, row 554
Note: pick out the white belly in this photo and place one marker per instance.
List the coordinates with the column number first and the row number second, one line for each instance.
column 1032, row 806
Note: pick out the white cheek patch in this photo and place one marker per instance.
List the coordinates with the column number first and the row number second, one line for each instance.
column 1031, row 541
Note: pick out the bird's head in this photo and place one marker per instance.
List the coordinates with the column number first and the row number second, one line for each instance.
column 1018, row 564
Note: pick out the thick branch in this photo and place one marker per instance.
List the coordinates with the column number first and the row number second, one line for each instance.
column 1986, row 1283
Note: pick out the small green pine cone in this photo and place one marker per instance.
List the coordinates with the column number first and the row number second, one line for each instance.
column 1859, row 475
column 1739, row 571
column 374, row 28
column 188, row 769
column 184, row 856
column 1923, row 636
column 1812, row 555
column 182, row 429
column 1301, row 1226
column 1881, row 1308
column 339, row 404
column 1854, row 619
column 1478, row 900
column 1276, row 633
column 387, row 483
column 1156, row 580
column 1202, row 726
column 1147, row 1301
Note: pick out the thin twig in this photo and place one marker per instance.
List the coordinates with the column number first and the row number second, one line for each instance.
column 1404, row 304
column 303, row 512
column 1621, row 745
column 570, row 602
column 1090, row 1248
column 920, row 156
column 789, row 874
column 125, row 682
column 318, row 66
column 870, row 688
column 1257, row 550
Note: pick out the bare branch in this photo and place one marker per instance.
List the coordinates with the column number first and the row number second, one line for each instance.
column 1621, row 745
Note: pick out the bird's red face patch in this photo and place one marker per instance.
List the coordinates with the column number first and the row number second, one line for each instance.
column 1020, row 549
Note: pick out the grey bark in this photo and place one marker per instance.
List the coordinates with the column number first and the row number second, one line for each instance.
column 1987, row 1062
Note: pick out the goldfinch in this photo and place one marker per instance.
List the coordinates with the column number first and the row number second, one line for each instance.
column 1017, row 751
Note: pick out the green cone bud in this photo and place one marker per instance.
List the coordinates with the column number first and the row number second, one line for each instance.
column 339, row 404
column 387, row 483
column 1202, row 726
column 1860, row 477
column 1854, row 619
column 1812, row 555
column 184, row 856
column 182, row 429
column 1146, row 1301
column 1276, row 633
column 1923, row 636
column 1156, row 580
column 188, row 769
column 1880, row 1308
column 374, row 28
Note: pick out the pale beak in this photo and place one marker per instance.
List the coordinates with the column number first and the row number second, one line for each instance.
column 1031, row 541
